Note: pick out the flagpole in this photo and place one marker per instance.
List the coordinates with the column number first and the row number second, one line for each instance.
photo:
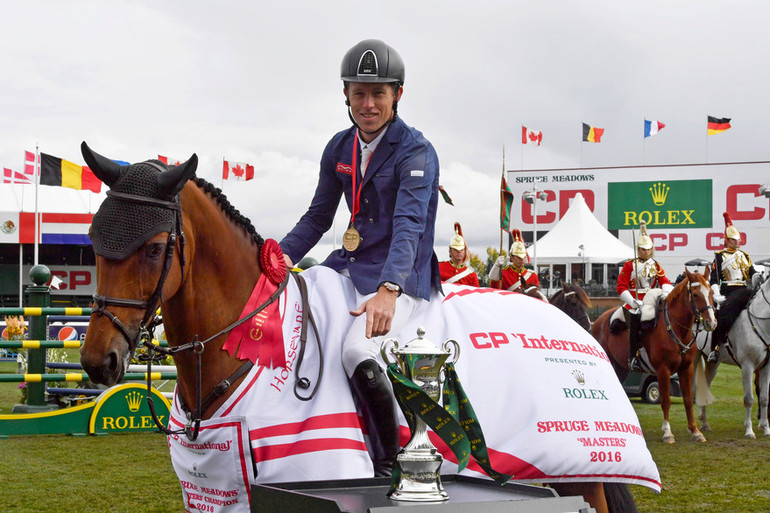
column 644, row 142
column 522, row 151
column 707, row 139
column 37, row 187
column 222, row 178
column 501, row 202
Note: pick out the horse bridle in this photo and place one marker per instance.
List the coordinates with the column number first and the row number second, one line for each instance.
column 585, row 312
column 698, row 312
column 150, row 320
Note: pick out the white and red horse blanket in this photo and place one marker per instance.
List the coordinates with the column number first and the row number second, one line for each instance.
column 544, row 392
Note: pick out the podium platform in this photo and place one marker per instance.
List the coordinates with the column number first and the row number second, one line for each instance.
column 368, row 496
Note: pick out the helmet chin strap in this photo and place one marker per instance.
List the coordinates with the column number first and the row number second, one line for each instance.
column 391, row 120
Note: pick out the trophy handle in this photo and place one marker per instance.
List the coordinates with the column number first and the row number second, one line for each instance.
column 385, row 350
column 454, row 355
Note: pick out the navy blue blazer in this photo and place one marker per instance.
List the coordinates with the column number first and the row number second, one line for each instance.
column 397, row 216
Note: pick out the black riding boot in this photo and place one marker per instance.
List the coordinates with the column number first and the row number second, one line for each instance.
column 635, row 341
column 374, row 396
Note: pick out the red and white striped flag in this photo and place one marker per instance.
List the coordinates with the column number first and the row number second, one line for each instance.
column 29, row 163
column 530, row 136
column 11, row 176
column 237, row 170
column 169, row 160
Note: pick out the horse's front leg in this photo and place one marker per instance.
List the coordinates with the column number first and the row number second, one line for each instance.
column 764, row 374
column 685, row 380
column 747, row 376
column 664, row 382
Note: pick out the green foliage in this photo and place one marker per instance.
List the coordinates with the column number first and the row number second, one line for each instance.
column 482, row 267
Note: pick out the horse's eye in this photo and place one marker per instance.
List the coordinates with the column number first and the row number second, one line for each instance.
column 155, row 250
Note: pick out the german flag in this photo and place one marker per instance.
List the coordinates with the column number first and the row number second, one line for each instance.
column 63, row 173
column 592, row 134
column 718, row 125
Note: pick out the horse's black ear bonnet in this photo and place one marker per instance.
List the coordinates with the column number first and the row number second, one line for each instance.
column 121, row 227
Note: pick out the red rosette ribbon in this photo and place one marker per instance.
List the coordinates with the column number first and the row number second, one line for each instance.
column 272, row 262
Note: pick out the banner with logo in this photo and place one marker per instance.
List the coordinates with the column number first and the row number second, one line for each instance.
column 544, row 392
column 681, row 204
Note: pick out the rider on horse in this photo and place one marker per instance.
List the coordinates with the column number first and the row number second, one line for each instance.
column 457, row 270
column 731, row 275
column 513, row 276
column 389, row 175
column 636, row 279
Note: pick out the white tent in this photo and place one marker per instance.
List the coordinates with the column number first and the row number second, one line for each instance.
column 579, row 238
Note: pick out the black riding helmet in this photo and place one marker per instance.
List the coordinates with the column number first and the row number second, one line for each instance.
column 372, row 60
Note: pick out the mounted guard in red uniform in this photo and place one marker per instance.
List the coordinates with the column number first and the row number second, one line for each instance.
column 456, row 269
column 637, row 278
column 508, row 275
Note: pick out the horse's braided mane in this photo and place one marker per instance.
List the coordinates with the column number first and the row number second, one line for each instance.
column 227, row 207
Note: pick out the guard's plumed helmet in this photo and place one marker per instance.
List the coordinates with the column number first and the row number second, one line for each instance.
column 731, row 232
column 644, row 242
column 518, row 248
column 372, row 60
column 457, row 241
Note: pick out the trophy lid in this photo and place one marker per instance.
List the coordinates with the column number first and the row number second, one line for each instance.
column 421, row 345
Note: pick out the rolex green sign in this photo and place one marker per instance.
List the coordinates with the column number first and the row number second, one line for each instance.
column 664, row 204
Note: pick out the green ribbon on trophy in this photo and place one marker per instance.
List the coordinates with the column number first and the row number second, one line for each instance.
column 457, row 404
column 450, row 423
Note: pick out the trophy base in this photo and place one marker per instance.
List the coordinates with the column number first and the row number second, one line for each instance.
column 420, row 477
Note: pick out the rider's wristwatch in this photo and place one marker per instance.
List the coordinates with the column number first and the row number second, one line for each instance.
column 391, row 286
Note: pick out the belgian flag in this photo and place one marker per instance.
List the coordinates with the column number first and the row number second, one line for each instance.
column 592, row 134
column 717, row 125
column 63, row 173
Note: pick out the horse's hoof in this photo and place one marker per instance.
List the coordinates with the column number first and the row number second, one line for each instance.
column 698, row 437
column 750, row 435
column 669, row 439
column 705, row 427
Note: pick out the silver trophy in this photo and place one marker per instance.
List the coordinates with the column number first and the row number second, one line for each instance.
column 420, row 361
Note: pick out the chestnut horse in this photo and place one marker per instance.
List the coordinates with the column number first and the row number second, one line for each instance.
column 177, row 242
column 670, row 344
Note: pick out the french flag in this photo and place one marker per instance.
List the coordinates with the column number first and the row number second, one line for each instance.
column 652, row 127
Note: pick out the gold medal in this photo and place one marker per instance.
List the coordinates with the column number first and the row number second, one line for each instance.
column 351, row 239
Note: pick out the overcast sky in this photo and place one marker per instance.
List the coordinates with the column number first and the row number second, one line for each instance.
column 259, row 82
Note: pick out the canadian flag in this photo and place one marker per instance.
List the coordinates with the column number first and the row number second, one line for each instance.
column 29, row 163
column 169, row 160
column 11, row 176
column 530, row 136
column 237, row 170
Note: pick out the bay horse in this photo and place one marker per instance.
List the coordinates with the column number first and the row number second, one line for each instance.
column 164, row 237
column 748, row 347
column 670, row 344
column 573, row 300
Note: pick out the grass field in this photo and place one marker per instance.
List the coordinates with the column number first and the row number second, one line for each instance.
column 132, row 472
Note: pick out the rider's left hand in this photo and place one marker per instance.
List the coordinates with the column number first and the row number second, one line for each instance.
column 379, row 311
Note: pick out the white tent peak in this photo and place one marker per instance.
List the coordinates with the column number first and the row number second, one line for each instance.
column 579, row 227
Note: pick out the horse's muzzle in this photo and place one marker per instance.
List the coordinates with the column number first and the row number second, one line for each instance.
column 103, row 368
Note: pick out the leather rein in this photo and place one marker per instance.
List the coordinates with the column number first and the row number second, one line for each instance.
column 698, row 313
column 151, row 320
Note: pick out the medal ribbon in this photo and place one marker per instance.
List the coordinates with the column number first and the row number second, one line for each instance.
column 356, row 193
